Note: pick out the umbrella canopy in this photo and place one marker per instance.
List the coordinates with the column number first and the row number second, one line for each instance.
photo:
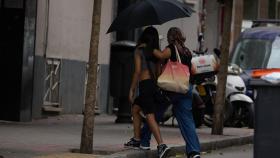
column 149, row 12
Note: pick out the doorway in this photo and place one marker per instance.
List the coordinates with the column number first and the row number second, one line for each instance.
column 11, row 48
column 16, row 49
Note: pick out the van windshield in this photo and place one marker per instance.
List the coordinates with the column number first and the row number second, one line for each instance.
column 273, row 61
column 252, row 54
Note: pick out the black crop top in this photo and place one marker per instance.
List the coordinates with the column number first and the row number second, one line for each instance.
column 146, row 58
column 186, row 60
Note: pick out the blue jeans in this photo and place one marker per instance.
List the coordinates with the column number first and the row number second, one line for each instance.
column 182, row 110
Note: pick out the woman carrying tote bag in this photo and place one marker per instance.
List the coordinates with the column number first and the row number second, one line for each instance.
column 182, row 101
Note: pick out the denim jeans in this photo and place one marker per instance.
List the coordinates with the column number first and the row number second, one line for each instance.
column 182, row 110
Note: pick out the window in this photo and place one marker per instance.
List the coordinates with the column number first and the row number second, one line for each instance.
column 251, row 53
column 274, row 58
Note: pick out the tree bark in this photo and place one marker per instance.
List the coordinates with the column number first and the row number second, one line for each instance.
column 237, row 21
column 222, row 75
column 263, row 9
column 90, row 100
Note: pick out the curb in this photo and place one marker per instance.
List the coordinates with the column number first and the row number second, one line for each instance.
column 68, row 155
column 206, row 146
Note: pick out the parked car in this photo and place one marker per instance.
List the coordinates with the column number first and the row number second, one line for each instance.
column 257, row 48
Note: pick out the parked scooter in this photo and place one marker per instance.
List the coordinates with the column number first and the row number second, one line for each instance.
column 239, row 108
column 239, row 103
column 205, row 81
column 207, row 91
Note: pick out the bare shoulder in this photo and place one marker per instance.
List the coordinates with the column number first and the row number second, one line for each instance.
column 140, row 48
column 142, row 45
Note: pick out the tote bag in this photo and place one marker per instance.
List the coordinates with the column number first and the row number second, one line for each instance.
column 175, row 76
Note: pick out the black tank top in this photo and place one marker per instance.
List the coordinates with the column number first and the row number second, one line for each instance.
column 186, row 60
column 145, row 59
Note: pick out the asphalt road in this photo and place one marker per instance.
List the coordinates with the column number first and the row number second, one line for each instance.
column 245, row 151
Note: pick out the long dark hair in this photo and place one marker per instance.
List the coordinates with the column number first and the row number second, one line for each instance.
column 176, row 38
column 150, row 37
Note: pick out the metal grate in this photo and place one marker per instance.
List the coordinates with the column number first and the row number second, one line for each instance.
column 52, row 80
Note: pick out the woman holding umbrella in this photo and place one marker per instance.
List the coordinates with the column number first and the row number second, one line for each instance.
column 148, row 42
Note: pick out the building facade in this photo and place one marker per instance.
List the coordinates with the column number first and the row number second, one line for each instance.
column 50, row 49
column 62, row 52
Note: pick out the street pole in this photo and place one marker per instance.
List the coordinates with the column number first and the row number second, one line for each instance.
column 124, row 107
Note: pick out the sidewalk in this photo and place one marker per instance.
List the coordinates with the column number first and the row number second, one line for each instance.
column 56, row 136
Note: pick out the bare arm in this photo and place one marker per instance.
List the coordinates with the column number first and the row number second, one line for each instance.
column 135, row 77
column 165, row 54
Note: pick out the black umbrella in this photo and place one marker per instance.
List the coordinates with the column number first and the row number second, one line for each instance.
column 149, row 12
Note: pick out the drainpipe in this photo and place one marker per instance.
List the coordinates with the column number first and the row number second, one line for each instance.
column 46, row 32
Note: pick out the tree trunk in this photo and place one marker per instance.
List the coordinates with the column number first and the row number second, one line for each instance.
column 263, row 9
column 222, row 75
column 90, row 100
column 237, row 21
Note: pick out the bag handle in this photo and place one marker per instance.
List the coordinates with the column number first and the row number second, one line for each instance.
column 177, row 54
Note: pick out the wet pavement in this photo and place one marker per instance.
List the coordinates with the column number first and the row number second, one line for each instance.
column 59, row 135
